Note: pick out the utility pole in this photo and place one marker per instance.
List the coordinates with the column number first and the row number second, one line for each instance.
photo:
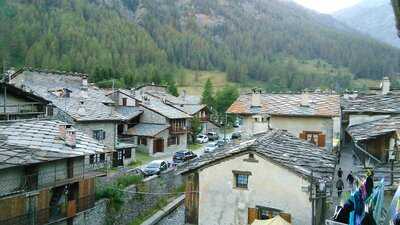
column 5, row 78
column 225, row 130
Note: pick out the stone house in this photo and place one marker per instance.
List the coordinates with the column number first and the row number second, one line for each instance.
column 377, row 140
column 275, row 174
column 77, row 102
column 311, row 116
column 16, row 104
column 159, row 127
column 43, row 179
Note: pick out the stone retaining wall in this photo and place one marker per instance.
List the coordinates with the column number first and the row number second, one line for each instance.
column 94, row 216
column 136, row 204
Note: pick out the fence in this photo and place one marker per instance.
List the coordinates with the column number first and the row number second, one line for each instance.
column 52, row 213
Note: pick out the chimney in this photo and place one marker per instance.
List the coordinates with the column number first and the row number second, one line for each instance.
column 385, row 85
column 70, row 137
column 183, row 94
column 62, row 128
column 81, row 109
column 305, row 99
column 84, row 83
column 256, row 98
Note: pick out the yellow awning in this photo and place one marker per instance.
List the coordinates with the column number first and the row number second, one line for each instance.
column 277, row 220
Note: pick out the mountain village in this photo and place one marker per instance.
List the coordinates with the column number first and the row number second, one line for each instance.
column 298, row 133
column 70, row 154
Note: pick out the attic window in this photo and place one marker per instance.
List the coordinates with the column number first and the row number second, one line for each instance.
column 251, row 155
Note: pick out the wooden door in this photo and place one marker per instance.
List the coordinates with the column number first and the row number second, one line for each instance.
column 158, row 145
column 252, row 215
column 118, row 158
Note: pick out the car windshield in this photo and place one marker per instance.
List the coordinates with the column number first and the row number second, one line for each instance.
column 153, row 165
column 210, row 145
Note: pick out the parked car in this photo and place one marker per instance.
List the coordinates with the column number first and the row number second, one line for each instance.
column 236, row 135
column 212, row 136
column 226, row 140
column 201, row 138
column 155, row 168
column 220, row 143
column 211, row 147
column 183, row 156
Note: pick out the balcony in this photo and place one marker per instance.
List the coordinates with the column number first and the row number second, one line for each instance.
column 177, row 130
column 23, row 108
column 204, row 119
column 52, row 214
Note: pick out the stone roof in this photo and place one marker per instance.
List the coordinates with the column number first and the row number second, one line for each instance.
column 147, row 129
column 37, row 141
column 288, row 105
column 372, row 103
column 83, row 104
column 283, row 148
column 373, row 129
column 190, row 109
column 129, row 112
column 42, row 81
column 166, row 110
column 87, row 110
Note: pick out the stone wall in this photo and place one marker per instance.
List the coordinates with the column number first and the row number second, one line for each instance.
column 136, row 204
column 94, row 216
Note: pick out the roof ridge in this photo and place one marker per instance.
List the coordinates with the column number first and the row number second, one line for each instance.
column 48, row 71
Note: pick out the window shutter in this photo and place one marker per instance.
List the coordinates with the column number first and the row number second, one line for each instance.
column 321, row 140
column 252, row 215
column 103, row 134
column 303, row 136
column 286, row 216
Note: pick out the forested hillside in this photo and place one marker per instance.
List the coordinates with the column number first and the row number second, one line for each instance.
column 373, row 17
column 135, row 41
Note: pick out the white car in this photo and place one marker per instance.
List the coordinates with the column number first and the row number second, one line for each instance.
column 202, row 139
column 211, row 147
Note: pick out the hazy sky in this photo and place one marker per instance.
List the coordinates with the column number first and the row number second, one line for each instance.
column 327, row 6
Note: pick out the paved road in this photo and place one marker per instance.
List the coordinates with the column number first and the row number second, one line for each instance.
column 177, row 217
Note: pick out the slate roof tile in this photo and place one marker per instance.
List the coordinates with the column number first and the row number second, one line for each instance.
column 21, row 144
column 288, row 104
column 283, row 148
column 372, row 129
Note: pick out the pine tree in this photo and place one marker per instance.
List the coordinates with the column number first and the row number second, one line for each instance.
column 207, row 96
column 172, row 89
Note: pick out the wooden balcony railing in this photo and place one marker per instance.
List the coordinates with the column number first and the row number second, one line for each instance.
column 204, row 118
column 177, row 130
column 52, row 214
column 23, row 108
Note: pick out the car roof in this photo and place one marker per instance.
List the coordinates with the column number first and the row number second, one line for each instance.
column 157, row 161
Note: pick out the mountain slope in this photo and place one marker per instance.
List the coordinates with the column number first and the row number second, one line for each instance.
column 141, row 40
column 373, row 17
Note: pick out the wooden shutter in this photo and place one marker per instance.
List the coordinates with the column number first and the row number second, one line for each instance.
column 303, row 135
column 321, row 140
column 286, row 216
column 252, row 215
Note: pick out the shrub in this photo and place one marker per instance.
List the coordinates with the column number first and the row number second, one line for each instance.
column 112, row 193
column 125, row 181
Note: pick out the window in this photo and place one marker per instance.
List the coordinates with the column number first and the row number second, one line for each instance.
column 173, row 140
column 102, row 157
column 128, row 153
column 97, row 158
column 142, row 141
column 315, row 137
column 91, row 159
column 124, row 101
column 241, row 179
column 99, row 134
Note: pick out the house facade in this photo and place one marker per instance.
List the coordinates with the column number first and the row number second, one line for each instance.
column 260, row 181
column 158, row 126
column 310, row 116
column 43, row 179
